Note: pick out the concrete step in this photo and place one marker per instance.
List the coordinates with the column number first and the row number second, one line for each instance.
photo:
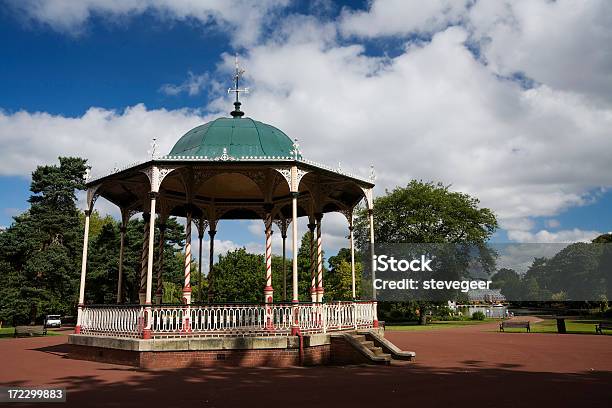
column 388, row 347
column 378, row 351
column 373, row 354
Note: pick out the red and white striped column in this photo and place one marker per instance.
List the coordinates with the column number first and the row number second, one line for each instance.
column 268, row 290
column 144, row 256
column 187, row 285
column 320, row 290
column 159, row 293
column 313, row 263
column 352, row 244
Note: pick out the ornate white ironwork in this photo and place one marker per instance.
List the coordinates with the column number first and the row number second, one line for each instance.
column 156, row 175
column 369, row 196
column 372, row 174
column 239, row 320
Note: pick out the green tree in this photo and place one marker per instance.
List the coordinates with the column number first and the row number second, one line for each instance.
column 40, row 251
column 425, row 212
column 509, row 282
column 339, row 278
column 239, row 277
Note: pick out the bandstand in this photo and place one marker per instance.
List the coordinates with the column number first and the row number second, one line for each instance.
column 230, row 169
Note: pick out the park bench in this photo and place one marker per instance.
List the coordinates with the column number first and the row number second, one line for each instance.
column 601, row 326
column 514, row 325
column 30, row 331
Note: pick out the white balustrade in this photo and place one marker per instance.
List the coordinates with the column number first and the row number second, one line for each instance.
column 118, row 321
column 227, row 320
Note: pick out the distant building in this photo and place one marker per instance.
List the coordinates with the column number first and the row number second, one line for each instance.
column 488, row 301
column 486, row 296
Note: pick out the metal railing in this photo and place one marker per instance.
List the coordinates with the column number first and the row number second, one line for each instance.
column 275, row 319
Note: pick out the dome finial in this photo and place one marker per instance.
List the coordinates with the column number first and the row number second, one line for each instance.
column 237, row 113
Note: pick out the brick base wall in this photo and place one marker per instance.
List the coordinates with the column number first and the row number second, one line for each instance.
column 316, row 355
column 338, row 352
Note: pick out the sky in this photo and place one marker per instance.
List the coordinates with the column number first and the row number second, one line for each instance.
column 510, row 101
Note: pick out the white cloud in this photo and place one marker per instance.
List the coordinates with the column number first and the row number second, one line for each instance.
column 563, row 44
column 193, row 85
column 243, row 18
column 107, row 138
column 401, row 17
column 545, row 236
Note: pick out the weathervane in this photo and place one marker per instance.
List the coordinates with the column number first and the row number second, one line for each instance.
column 237, row 113
column 153, row 150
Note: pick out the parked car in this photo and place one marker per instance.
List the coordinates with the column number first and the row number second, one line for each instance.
column 53, row 321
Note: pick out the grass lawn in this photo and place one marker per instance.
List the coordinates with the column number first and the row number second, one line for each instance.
column 438, row 325
column 8, row 332
column 573, row 326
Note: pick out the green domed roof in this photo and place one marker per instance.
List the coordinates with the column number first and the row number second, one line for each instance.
column 241, row 137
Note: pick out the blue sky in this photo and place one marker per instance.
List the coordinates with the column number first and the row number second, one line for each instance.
column 469, row 100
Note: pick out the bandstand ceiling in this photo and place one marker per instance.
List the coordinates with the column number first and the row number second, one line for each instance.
column 232, row 190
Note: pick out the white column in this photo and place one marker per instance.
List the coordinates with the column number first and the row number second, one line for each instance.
column 294, row 236
column 146, row 334
column 320, row 289
column 77, row 328
column 371, row 217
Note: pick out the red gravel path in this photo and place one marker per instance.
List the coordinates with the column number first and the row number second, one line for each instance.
column 469, row 367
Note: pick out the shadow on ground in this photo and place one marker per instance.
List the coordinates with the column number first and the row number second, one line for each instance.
column 471, row 384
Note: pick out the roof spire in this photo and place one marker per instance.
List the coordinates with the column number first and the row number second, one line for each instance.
column 237, row 113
